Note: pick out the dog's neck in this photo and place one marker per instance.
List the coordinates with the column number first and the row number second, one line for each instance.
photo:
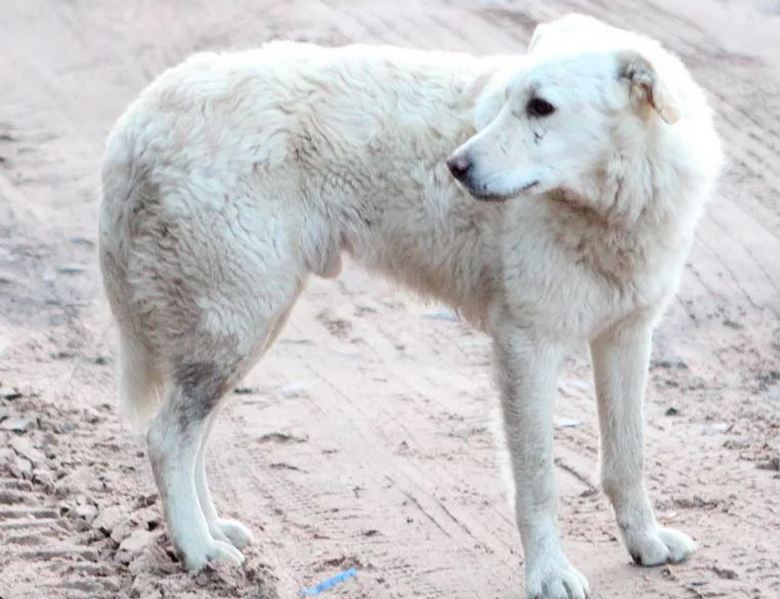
column 637, row 192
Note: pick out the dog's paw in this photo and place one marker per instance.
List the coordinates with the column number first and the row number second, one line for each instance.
column 554, row 577
column 233, row 532
column 659, row 546
column 213, row 553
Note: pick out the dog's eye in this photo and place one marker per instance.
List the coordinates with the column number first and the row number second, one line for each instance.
column 539, row 107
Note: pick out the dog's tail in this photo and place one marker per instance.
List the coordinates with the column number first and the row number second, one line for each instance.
column 126, row 192
column 140, row 382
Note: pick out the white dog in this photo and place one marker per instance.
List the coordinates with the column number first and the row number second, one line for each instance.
column 235, row 176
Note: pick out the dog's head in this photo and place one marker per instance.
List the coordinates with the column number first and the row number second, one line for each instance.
column 560, row 121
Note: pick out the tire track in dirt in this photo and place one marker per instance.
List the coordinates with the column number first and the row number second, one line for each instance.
column 405, row 488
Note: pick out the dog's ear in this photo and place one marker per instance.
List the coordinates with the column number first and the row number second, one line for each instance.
column 645, row 87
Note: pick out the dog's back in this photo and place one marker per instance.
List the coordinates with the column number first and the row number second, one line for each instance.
column 294, row 153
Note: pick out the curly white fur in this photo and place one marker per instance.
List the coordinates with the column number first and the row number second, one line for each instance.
column 235, row 176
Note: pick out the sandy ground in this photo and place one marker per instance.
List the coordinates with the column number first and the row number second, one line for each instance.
column 331, row 457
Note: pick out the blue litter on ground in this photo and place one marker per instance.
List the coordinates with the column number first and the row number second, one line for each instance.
column 328, row 584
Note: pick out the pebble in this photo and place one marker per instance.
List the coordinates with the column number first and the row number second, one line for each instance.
column 65, row 427
column 772, row 463
column 136, row 542
column 17, row 424
column 43, row 477
column 121, row 531
column 441, row 314
column 6, row 454
column 716, row 428
column 564, row 422
column 669, row 362
column 23, row 447
column 70, row 269
column 108, row 519
column 87, row 512
column 85, row 241
column 83, row 526
column 20, row 467
column 6, row 277
column 726, row 573
column 291, row 390
column 148, row 517
column 574, row 388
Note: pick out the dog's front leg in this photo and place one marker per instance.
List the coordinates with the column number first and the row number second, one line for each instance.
column 620, row 361
column 527, row 370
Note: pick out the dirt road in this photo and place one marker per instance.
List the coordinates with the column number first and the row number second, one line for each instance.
column 332, row 457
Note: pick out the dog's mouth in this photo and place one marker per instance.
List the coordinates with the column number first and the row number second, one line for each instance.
column 487, row 196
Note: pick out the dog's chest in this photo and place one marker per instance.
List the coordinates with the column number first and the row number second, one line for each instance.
column 577, row 277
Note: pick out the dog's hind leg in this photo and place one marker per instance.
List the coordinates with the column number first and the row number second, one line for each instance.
column 207, row 284
column 174, row 438
column 222, row 529
column 226, row 529
column 177, row 441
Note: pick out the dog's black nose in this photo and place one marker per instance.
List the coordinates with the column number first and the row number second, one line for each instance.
column 459, row 167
